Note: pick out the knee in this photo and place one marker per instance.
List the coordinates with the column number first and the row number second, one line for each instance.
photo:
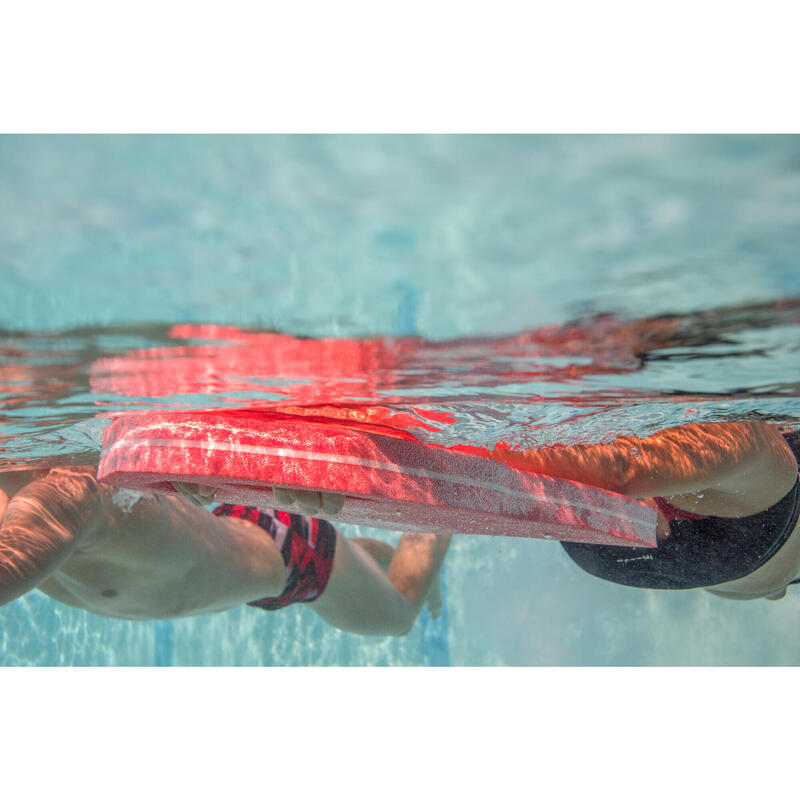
column 403, row 625
column 399, row 633
column 396, row 626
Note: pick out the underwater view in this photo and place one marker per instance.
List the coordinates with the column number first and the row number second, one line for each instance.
column 446, row 297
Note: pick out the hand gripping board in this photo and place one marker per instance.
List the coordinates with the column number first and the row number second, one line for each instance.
column 389, row 482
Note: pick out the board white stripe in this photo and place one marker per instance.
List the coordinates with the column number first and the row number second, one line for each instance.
column 310, row 455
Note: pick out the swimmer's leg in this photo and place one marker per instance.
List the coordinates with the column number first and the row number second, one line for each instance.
column 361, row 598
column 382, row 552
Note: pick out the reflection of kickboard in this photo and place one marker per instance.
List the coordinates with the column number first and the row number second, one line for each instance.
column 389, row 482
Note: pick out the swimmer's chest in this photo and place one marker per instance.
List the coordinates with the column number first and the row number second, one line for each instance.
column 132, row 560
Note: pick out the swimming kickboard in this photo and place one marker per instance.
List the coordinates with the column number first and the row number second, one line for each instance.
column 388, row 481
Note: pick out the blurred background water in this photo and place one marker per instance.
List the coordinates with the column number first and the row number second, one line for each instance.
column 105, row 242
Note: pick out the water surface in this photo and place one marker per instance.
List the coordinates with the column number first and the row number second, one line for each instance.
column 534, row 290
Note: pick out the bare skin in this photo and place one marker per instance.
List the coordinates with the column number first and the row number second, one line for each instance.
column 163, row 557
column 722, row 470
column 69, row 537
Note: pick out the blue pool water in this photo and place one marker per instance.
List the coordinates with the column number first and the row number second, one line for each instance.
column 106, row 241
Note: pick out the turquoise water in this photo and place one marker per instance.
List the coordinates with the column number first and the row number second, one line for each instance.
column 107, row 241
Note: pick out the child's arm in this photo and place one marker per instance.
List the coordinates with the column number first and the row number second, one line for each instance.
column 41, row 526
column 312, row 504
column 747, row 461
column 361, row 598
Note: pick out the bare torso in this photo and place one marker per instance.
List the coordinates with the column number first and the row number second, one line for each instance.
column 159, row 557
column 117, row 554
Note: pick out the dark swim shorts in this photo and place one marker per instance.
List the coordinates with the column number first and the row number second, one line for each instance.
column 699, row 551
column 307, row 545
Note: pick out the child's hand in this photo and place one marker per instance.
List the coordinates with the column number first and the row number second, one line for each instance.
column 310, row 503
column 199, row 495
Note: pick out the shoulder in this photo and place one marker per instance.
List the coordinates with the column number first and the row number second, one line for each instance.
column 69, row 493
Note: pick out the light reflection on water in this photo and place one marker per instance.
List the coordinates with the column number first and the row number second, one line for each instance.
column 577, row 383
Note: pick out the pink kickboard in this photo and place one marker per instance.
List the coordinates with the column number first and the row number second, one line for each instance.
column 389, row 482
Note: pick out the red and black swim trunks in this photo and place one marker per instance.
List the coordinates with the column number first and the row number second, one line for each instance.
column 307, row 545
